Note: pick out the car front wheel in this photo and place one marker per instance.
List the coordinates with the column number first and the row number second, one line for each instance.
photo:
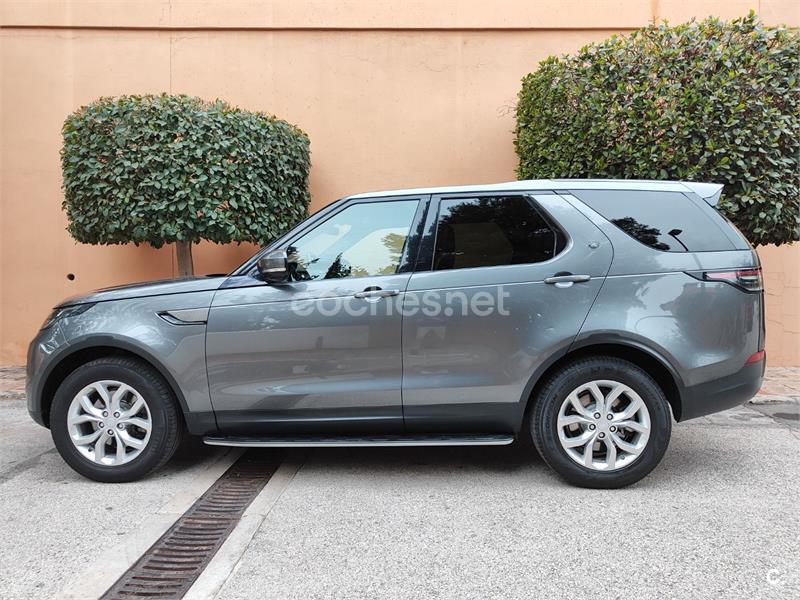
column 601, row 422
column 115, row 419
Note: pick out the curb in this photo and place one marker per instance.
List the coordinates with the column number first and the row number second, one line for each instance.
column 224, row 563
column 774, row 399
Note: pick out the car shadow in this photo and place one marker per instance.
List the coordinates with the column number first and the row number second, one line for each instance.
column 495, row 459
column 191, row 452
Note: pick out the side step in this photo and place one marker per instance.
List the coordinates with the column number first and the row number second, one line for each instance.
column 320, row 441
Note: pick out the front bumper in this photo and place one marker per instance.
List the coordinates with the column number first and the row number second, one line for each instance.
column 723, row 393
column 40, row 351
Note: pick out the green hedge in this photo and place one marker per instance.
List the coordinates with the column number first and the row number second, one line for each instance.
column 162, row 169
column 704, row 101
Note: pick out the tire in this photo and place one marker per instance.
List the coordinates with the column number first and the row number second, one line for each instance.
column 149, row 436
column 558, row 425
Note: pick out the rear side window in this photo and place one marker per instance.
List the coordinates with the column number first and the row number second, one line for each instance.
column 666, row 221
column 492, row 231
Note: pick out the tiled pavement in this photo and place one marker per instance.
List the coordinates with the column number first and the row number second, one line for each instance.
column 12, row 383
column 781, row 384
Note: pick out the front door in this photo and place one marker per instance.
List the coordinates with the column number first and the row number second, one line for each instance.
column 495, row 303
column 320, row 353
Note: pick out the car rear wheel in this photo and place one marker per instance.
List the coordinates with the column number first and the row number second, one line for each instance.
column 115, row 419
column 601, row 422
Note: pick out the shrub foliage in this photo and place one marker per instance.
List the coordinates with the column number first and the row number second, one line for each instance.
column 703, row 101
column 162, row 169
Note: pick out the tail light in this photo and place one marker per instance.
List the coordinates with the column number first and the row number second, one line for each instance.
column 748, row 279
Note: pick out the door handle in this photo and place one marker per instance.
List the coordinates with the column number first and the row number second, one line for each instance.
column 566, row 280
column 376, row 293
column 570, row 278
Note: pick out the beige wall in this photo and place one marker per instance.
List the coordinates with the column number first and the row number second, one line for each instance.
column 392, row 93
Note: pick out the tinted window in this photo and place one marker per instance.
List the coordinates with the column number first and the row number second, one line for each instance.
column 667, row 221
column 363, row 239
column 492, row 231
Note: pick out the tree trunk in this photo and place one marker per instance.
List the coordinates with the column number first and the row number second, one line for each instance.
column 185, row 264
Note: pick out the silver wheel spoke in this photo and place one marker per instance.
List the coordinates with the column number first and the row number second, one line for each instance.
column 623, row 445
column 578, row 440
column 632, row 425
column 614, row 394
column 599, row 399
column 573, row 420
column 118, row 395
column 621, row 436
column 130, row 441
column 631, row 409
column 86, row 405
column 90, row 438
column 83, row 418
column 102, row 391
column 611, row 454
column 137, row 422
column 100, row 447
column 575, row 401
column 134, row 409
column 120, row 448
column 588, row 453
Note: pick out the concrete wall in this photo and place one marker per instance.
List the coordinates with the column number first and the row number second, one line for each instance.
column 392, row 93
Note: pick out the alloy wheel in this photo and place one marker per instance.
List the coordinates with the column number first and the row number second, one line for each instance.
column 603, row 425
column 109, row 422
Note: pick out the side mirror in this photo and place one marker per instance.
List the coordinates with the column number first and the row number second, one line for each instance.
column 274, row 266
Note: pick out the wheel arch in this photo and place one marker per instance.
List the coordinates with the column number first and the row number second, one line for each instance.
column 652, row 362
column 81, row 353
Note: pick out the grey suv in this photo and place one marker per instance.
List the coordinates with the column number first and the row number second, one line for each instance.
column 580, row 315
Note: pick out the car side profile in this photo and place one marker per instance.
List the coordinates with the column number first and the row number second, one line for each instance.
column 583, row 316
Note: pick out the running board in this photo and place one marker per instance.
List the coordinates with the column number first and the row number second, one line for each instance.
column 319, row 441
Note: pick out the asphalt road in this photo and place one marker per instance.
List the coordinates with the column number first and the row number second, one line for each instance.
column 717, row 519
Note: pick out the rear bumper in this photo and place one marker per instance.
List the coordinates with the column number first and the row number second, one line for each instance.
column 722, row 394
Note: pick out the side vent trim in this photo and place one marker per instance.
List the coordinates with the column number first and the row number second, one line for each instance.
column 185, row 316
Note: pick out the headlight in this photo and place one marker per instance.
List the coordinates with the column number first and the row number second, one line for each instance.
column 66, row 311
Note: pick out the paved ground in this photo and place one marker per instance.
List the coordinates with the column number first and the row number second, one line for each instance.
column 717, row 519
column 56, row 525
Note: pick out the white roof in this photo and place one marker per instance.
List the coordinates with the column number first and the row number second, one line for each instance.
column 704, row 190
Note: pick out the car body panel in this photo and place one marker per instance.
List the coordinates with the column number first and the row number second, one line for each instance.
column 279, row 359
column 164, row 287
column 466, row 371
column 704, row 329
column 133, row 325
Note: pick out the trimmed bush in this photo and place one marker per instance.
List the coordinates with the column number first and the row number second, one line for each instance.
column 704, row 101
column 164, row 169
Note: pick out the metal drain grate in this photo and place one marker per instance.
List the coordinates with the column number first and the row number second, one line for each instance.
column 171, row 565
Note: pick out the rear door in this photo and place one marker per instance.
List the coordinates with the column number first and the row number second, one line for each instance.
column 483, row 311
